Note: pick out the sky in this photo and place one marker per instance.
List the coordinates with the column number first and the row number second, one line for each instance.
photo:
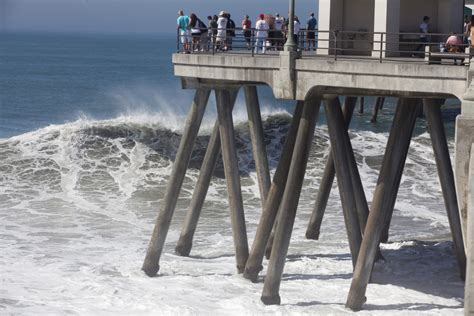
column 129, row 16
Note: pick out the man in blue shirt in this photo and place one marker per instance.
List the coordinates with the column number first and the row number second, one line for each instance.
column 183, row 29
column 311, row 27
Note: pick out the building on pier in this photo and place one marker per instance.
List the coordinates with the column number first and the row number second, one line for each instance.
column 398, row 18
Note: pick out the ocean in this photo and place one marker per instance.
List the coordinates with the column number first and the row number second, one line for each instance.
column 89, row 128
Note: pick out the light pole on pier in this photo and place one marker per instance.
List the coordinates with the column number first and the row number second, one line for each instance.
column 290, row 44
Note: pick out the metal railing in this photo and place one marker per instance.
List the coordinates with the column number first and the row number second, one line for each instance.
column 381, row 46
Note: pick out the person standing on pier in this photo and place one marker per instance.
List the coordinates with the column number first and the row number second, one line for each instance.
column 184, row 32
column 261, row 28
column 297, row 28
column 278, row 34
column 311, row 26
column 246, row 29
column 221, row 31
column 230, row 32
column 424, row 37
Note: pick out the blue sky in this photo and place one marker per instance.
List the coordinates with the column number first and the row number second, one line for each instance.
column 128, row 16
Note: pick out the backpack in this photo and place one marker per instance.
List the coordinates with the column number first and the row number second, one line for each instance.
column 202, row 26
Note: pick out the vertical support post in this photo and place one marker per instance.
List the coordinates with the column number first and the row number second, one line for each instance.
column 469, row 287
column 314, row 226
column 258, row 141
column 290, row 44
column 381, row 47
column 185, row 242
column 289, row 204
column 231, row 170
column 361, row 108
column 340, row 145
column 432, row 109
column 269, row 213
column 377, row 106
column 151, row 264
column 387, row 187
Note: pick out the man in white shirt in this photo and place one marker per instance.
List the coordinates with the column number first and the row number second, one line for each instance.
column 424, row 37
column 221, row 31
column 261, row 27
column 278, row 34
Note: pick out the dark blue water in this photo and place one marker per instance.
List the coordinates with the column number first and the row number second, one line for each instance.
column 53, row 78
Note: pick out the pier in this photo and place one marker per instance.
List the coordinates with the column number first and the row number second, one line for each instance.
column 333, row 78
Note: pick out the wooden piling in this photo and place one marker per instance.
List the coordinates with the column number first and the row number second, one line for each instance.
column 289, row 203
column 269, row 213
column 432, row 110
column 258, row 141
column 391, row 170
column 151, row 264
column 231, row 170
column 314, row 226
column 344, row 165
column 185, row 242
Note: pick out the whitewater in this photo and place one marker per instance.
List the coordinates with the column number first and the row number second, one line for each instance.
column 89, row 130
column 78, row 203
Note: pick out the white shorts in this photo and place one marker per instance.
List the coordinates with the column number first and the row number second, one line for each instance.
column 221, row 35
column 185, row 36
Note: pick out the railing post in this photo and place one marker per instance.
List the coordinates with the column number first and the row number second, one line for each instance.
column 177, row 40
column 335, row 45
column 381, row 46
column 252, row 43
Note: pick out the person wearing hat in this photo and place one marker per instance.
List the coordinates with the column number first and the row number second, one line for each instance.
column 261, row 28
column 221, row 31
column 246, row 29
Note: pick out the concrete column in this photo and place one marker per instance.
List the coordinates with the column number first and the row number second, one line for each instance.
column 469, row 290
column 269, row 213
column 464, row 139
column 330, row 15
column 258, row 141
column 349, row 186
column 232, row 176
column 387, row 185
column 151, row 264
column 432, row 110
column 314, row 226
column 185, row 242
column 289, row 203
column 386, row 20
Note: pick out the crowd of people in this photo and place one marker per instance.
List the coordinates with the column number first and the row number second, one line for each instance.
column 270, row 31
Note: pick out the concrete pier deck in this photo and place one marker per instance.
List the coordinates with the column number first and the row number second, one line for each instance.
column 408, row 77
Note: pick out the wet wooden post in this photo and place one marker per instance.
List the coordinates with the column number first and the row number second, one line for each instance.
column 269, row 213
column 151, row 264
column 185, row 242
column 258, row 141
column 389, row 177
column 361, row 106
column 231, row 170
column 289, row 203
column 314, row 226
column 377, row 106
column 432, row 110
